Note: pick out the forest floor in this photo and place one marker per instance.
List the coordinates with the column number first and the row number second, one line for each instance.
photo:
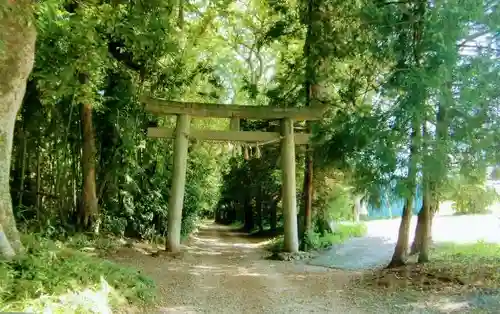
column 462, row 277
column 224, row 271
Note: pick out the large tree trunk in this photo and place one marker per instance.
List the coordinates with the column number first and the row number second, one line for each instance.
column 17, row 35
column 89, row 207
column 417, row 240
column 401, row 250
column 422, row 239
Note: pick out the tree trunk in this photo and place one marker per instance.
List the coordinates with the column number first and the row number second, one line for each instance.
column 273, row 216
column 357, row 208
column 38, row 187
column 259, row 208
column 23, row 166
column 247, row 208
column 401, row 250
column 89, row 206
column 17, row 35
column 417, row 240
column 308, row 194
column 425, row 239
column 310, row 80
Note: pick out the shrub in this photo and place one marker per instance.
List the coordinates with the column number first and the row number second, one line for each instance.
column 52, row 268
column 317, row 241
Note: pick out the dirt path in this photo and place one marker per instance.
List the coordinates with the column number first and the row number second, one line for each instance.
column 222, row 271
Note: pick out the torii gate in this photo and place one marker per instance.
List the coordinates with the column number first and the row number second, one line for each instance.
column 182, row 133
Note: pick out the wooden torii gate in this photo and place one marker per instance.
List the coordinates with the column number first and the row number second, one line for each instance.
column 182, row 133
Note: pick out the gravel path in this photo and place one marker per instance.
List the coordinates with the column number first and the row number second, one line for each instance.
column 222, row 271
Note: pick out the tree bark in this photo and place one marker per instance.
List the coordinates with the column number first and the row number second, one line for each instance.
column 357, row 208
column 89, row 207
column 273, row 216
column 38, row 186
column 401, row 250
column 417, row 240
column 247, row 207
column 259, row 208
column 18, row 36
column 307, row 192
column 23, row 165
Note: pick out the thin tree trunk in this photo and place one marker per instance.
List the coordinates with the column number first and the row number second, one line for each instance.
column 75, row 178
column 307, row 191
column 357, row 208
column 17, row 36
column 89, row 206
column 247, row 207
column 38, row 186
column 273, row 216
column 23, row 166
column 258, row 205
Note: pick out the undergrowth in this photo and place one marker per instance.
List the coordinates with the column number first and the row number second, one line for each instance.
column 462, row 275
column 51, row 269
column 317, row 241
column 476, row 263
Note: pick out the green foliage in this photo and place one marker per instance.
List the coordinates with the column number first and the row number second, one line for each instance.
column 122, row 50
column 335, row 201
column 473, row 199
column 54, row 268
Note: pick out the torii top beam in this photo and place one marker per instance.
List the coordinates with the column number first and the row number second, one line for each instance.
column 166, row 107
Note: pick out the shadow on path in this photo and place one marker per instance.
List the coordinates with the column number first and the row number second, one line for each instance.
column 224, row 271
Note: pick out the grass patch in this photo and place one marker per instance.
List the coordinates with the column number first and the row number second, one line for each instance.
column 51, row 269
column 317, row 241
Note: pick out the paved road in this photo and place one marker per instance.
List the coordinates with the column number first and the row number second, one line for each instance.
column 375, row 249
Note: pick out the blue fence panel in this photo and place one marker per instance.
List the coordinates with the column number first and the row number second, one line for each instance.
column 392, row 206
